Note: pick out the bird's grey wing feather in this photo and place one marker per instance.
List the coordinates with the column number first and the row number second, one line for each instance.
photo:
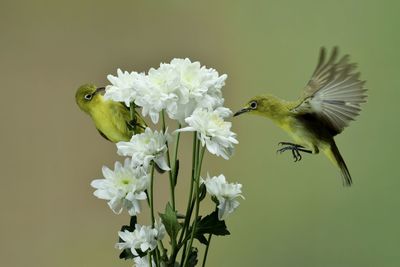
column 334, row 92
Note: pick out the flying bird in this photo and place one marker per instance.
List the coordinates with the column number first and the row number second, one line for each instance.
column 330, row 100
column 113, row 120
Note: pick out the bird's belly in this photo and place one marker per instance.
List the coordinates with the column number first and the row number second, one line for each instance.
column 301, row 136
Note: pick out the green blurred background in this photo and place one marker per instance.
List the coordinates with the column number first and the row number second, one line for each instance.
column 295, row 214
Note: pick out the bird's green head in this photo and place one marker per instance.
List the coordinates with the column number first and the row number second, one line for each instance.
column 264, row 105
column 87, row 96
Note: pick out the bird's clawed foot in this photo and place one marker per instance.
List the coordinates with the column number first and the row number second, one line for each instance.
column 294, row 148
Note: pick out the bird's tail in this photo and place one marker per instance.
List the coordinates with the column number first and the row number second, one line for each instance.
column 334, row 155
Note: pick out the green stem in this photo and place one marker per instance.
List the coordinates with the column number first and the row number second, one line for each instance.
column 150, row 260
column 197, row 204
column 151, row 202
column 174, row 249
column 171, row 178
column 178, row 135
column 132, row 107
column 194, row 160
column 188, row 234
column 164, row 252
column 157, row 256
column 151, row 195
column 160, row 243
column 175, row 253
column 193, row 198
column 206, row 252
column 189, row 204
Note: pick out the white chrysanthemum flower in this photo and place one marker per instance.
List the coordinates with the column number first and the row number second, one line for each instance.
column 123, row 86
column 158, row 91
column 213, row 131
column 226, row 193
column 200, row 87
column 143, row 237
column 144, row 148
column 143, row 262
column 123, row 188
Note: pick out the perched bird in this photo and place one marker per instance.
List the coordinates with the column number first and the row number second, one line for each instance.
column 112, row 119
column 331, row 99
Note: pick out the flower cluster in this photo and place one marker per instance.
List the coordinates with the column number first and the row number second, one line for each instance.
column 191, row 95
column 188, row 92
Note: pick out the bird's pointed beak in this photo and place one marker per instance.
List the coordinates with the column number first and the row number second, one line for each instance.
column 99, row 90
column 243, row 110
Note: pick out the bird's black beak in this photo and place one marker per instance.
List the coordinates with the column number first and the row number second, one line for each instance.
column 99, row 90
column 243, row 110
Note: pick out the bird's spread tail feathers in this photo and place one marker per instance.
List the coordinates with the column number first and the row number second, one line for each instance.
column 334, row 155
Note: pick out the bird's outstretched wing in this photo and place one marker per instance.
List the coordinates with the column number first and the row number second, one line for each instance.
column 334, row 92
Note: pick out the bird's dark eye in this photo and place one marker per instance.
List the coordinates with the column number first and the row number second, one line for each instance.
column 88, row 96
column 253, row 105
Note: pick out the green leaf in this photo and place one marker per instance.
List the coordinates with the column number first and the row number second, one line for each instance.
column 170, row 221
column 202, row 239
column 210, row 225
column 126, row 254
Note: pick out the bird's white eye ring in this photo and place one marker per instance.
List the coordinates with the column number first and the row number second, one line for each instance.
column 253, row 105
column 88, row 96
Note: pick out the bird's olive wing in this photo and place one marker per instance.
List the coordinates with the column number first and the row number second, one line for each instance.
column 120, row 118
column 334, row 92
column 136, row 125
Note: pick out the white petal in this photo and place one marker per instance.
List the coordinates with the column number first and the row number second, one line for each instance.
column 134, row 252
column 102, row 194
column 162, row 163
column 186, row 129
column 154, row 117
column 98, row 183
column 116, row 205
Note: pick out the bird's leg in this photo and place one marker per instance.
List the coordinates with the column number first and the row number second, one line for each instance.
column 294, row 148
